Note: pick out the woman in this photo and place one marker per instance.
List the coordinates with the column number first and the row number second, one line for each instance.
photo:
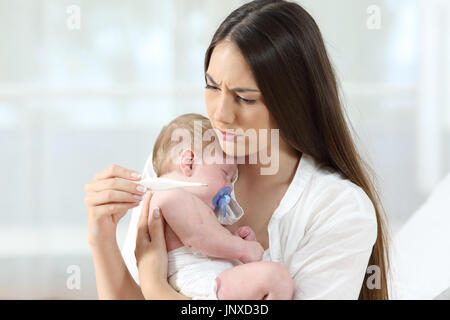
column 319, row 215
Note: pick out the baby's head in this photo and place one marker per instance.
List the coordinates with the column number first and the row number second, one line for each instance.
column 175, row 156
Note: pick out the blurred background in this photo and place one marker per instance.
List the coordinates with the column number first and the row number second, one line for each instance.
column 76, row 100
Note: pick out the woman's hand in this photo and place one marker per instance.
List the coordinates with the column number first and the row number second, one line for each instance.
column 151, row 251
column 151, row 255
column 108, row 199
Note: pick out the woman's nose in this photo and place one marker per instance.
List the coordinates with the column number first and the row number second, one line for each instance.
column 224, row 111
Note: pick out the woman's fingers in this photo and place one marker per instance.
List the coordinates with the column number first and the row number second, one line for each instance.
column 142, row 228
column 108, row 199
column 116, row 171
column 151, row 250
column 111, row 196
column 116, row 184
column 111, row 209
column 157, row 230
column 153, row 233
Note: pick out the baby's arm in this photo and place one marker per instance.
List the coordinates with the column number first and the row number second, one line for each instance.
column 198, row 228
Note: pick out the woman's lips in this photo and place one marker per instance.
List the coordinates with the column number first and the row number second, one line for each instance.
column 226, row 135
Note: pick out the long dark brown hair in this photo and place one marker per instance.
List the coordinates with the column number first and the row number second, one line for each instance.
column 285, row 51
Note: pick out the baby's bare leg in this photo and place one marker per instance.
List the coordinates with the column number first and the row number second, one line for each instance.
column 255, row 281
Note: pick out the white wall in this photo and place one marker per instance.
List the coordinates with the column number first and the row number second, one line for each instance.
column 74, row 102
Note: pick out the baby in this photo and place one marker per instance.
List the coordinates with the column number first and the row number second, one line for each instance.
column 206, row 261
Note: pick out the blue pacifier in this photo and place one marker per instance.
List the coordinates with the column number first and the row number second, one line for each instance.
column 222, row 199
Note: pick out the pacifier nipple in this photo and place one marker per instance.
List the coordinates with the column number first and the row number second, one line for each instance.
column 222, row 199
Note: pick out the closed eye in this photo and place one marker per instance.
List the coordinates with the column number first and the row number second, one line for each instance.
column 241, row 99
column 226, row 174
column 247, row 101
column 211, row 87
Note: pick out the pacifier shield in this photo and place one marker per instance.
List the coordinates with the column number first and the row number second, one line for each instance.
column 222, row 199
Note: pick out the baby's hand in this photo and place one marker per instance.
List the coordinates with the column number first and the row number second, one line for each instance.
column 245, row 233
column 253, row 252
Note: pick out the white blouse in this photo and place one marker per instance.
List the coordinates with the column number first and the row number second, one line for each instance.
column 323, row 231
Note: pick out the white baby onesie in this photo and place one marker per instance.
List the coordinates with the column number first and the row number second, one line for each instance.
column 193, row 274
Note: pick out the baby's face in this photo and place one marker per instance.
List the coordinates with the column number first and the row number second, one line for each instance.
column 217, row 176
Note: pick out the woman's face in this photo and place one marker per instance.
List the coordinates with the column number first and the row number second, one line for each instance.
column 233, row 101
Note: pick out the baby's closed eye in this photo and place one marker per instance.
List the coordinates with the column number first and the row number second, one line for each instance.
column 227, row 174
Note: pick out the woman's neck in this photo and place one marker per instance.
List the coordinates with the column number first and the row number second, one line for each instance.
column 288, row 160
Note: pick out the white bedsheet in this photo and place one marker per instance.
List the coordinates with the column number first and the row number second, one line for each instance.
column 421, row 249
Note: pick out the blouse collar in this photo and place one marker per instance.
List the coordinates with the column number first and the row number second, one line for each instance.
column 295, row 190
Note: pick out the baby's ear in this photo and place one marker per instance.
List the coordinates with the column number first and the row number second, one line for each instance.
column 187, row 162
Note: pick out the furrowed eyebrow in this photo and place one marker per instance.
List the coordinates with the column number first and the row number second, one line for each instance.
column 244, row 90
column 234, row 89
column 211, row 79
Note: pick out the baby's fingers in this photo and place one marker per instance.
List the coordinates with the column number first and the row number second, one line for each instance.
column 246, row 233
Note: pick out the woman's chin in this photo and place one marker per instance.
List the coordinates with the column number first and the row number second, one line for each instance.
column 234, row 150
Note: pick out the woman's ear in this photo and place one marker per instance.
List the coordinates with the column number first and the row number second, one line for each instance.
column 187, row 162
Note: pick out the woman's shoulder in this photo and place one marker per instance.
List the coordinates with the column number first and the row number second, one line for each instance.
column 329, row 210
column 328, row 194
column 330, row 183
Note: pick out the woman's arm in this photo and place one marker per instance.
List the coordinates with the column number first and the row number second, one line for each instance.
column 107, row 200
column 112, row 276
column 151, row 257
